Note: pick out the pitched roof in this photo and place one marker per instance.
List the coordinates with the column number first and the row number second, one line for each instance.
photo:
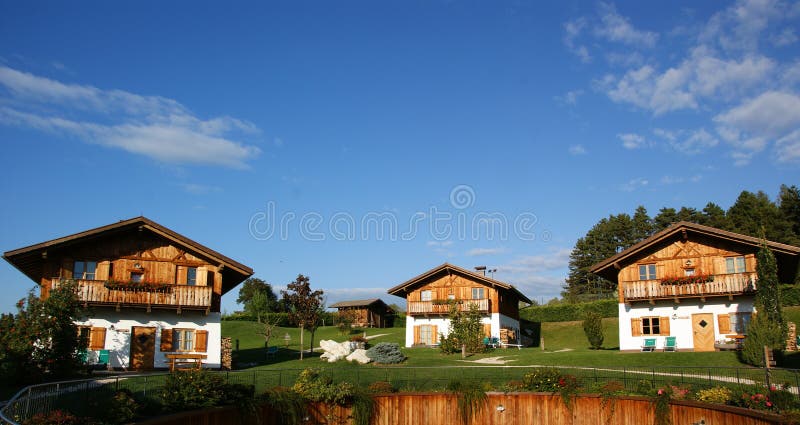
column 357, row 303
column 401, row 289
column 605, row 268
column 27, row 258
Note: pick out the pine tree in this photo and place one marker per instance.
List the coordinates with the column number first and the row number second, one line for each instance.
column 666, row 216
column 767, row 328
column 714, row 216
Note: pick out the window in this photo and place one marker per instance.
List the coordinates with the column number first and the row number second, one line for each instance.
column 647, row 271
column 136, row 277
column 734, row 264
column 425, row 295
column 426, row 334
column 184, row 340
column 651, row 325
column 739, row 322
column 688, row 272
column 478, row 293
column 84, row 270
column 191, row 276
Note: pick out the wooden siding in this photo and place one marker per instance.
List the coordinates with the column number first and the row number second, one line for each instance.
column 722, row 285
column 95, row 292
column 453, row 287
column 366, row 316
column 518, row 409
column 428, row 307
column 703, row 254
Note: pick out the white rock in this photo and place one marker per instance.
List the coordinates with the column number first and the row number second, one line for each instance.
column 334, row 351
column 359, row 355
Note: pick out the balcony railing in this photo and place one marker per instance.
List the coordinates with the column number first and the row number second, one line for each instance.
column 443, row 307
column 98, row 292
column 722, row 285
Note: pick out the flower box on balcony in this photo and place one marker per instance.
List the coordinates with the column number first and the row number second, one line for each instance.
column 138, row 286
column 687, row 280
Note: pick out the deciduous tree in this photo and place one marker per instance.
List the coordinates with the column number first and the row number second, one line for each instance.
column 304, row 305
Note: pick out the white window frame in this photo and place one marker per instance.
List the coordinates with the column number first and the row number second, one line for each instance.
column 425, row 295
column 84, row 274
column 478, row 293
column 735, row 264
column 184, row 339
column 648, row 271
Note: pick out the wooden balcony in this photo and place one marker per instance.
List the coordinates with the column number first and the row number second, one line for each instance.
column 722, row 285
column 97, row 293
column 443, row 308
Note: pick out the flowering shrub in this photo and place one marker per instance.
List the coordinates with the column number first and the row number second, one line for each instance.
column 542, row 380
column 56, row 417
column 773, row 399
column 315, row 387
column 719, row 395
column 685, row 280
column 381, row 387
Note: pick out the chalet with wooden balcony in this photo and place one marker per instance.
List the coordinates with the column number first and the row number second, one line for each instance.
column 431, row 295
column 372, row 313
column 693, row 282
column 151, row 292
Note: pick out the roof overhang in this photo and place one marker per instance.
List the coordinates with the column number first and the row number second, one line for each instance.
column 28, row 260
column 404, row 288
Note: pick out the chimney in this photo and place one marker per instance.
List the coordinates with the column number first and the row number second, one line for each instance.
column 481, row 269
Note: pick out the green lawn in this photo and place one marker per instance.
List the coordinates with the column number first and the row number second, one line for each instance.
column 564, row 344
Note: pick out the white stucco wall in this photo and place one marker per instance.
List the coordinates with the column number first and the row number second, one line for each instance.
column 680, row 319
column 496, row 320
column 118, row 340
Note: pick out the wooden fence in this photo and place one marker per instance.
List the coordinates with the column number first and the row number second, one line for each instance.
column 500, row 408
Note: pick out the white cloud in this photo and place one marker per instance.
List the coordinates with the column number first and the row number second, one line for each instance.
column 617, row 28
column 784, row 38
column 632, row 141
column 577, row 150
column 539, row 275
column 572, row 31
column 634, row 184
column 770, row 114
column 570, row 97
column 477, row 252
column 152, row 126
column 738, row 28
column 787, row 148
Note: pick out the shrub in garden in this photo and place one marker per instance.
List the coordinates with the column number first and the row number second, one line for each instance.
column 593, row 328
column 719, row 395
column 386, row 353
column 316, row 387
column 381, row 387
column 543, row 379
column 288, row 405
column 56, row 417
column 192, row 389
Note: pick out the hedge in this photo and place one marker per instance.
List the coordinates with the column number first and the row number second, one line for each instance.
column 790, row 295
column 569, row 312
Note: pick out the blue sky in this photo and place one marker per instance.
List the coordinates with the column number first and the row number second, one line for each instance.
column 388, row 137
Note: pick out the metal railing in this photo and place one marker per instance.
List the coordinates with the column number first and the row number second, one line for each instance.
column 85, row 396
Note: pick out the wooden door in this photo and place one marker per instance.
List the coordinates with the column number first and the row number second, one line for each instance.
column 703, row 328
column 143, row 347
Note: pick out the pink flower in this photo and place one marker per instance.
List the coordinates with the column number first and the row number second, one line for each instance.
column 769, row 404
column 660, row 392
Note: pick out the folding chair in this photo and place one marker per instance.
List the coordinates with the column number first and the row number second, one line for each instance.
column 649, row 344
column 670, row 343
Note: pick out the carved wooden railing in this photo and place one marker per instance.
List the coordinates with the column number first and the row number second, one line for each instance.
column 432, row 307
column 100, row 292
column 721, row 285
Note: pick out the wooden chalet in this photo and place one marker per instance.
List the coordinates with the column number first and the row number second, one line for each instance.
column 430, row 296
column 144, row 283
column 373, row 313
column 691, row 281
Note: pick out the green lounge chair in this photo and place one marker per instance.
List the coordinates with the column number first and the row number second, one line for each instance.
column 670, row 344
column 649, row 344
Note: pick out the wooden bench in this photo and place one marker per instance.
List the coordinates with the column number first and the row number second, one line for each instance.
column 176, row 359
column 506, row 345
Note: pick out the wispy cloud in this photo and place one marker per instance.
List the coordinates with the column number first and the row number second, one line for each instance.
column 634, row 184
column 572, row 31
column 721, row 66
column 577, row 150
column 617, row 28
column 153, row 126
column 570, row 98
column 632, row 141
column 478, row 252
column 540, row 275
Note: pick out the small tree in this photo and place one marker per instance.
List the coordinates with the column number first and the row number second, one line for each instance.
column 465, row 329
column 268, row 326
column 41, row 340
column 303, row 304
column 593, row 328
column 767, row 327
column 257, row 297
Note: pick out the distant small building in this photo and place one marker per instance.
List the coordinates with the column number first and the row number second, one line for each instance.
column 372, row 313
